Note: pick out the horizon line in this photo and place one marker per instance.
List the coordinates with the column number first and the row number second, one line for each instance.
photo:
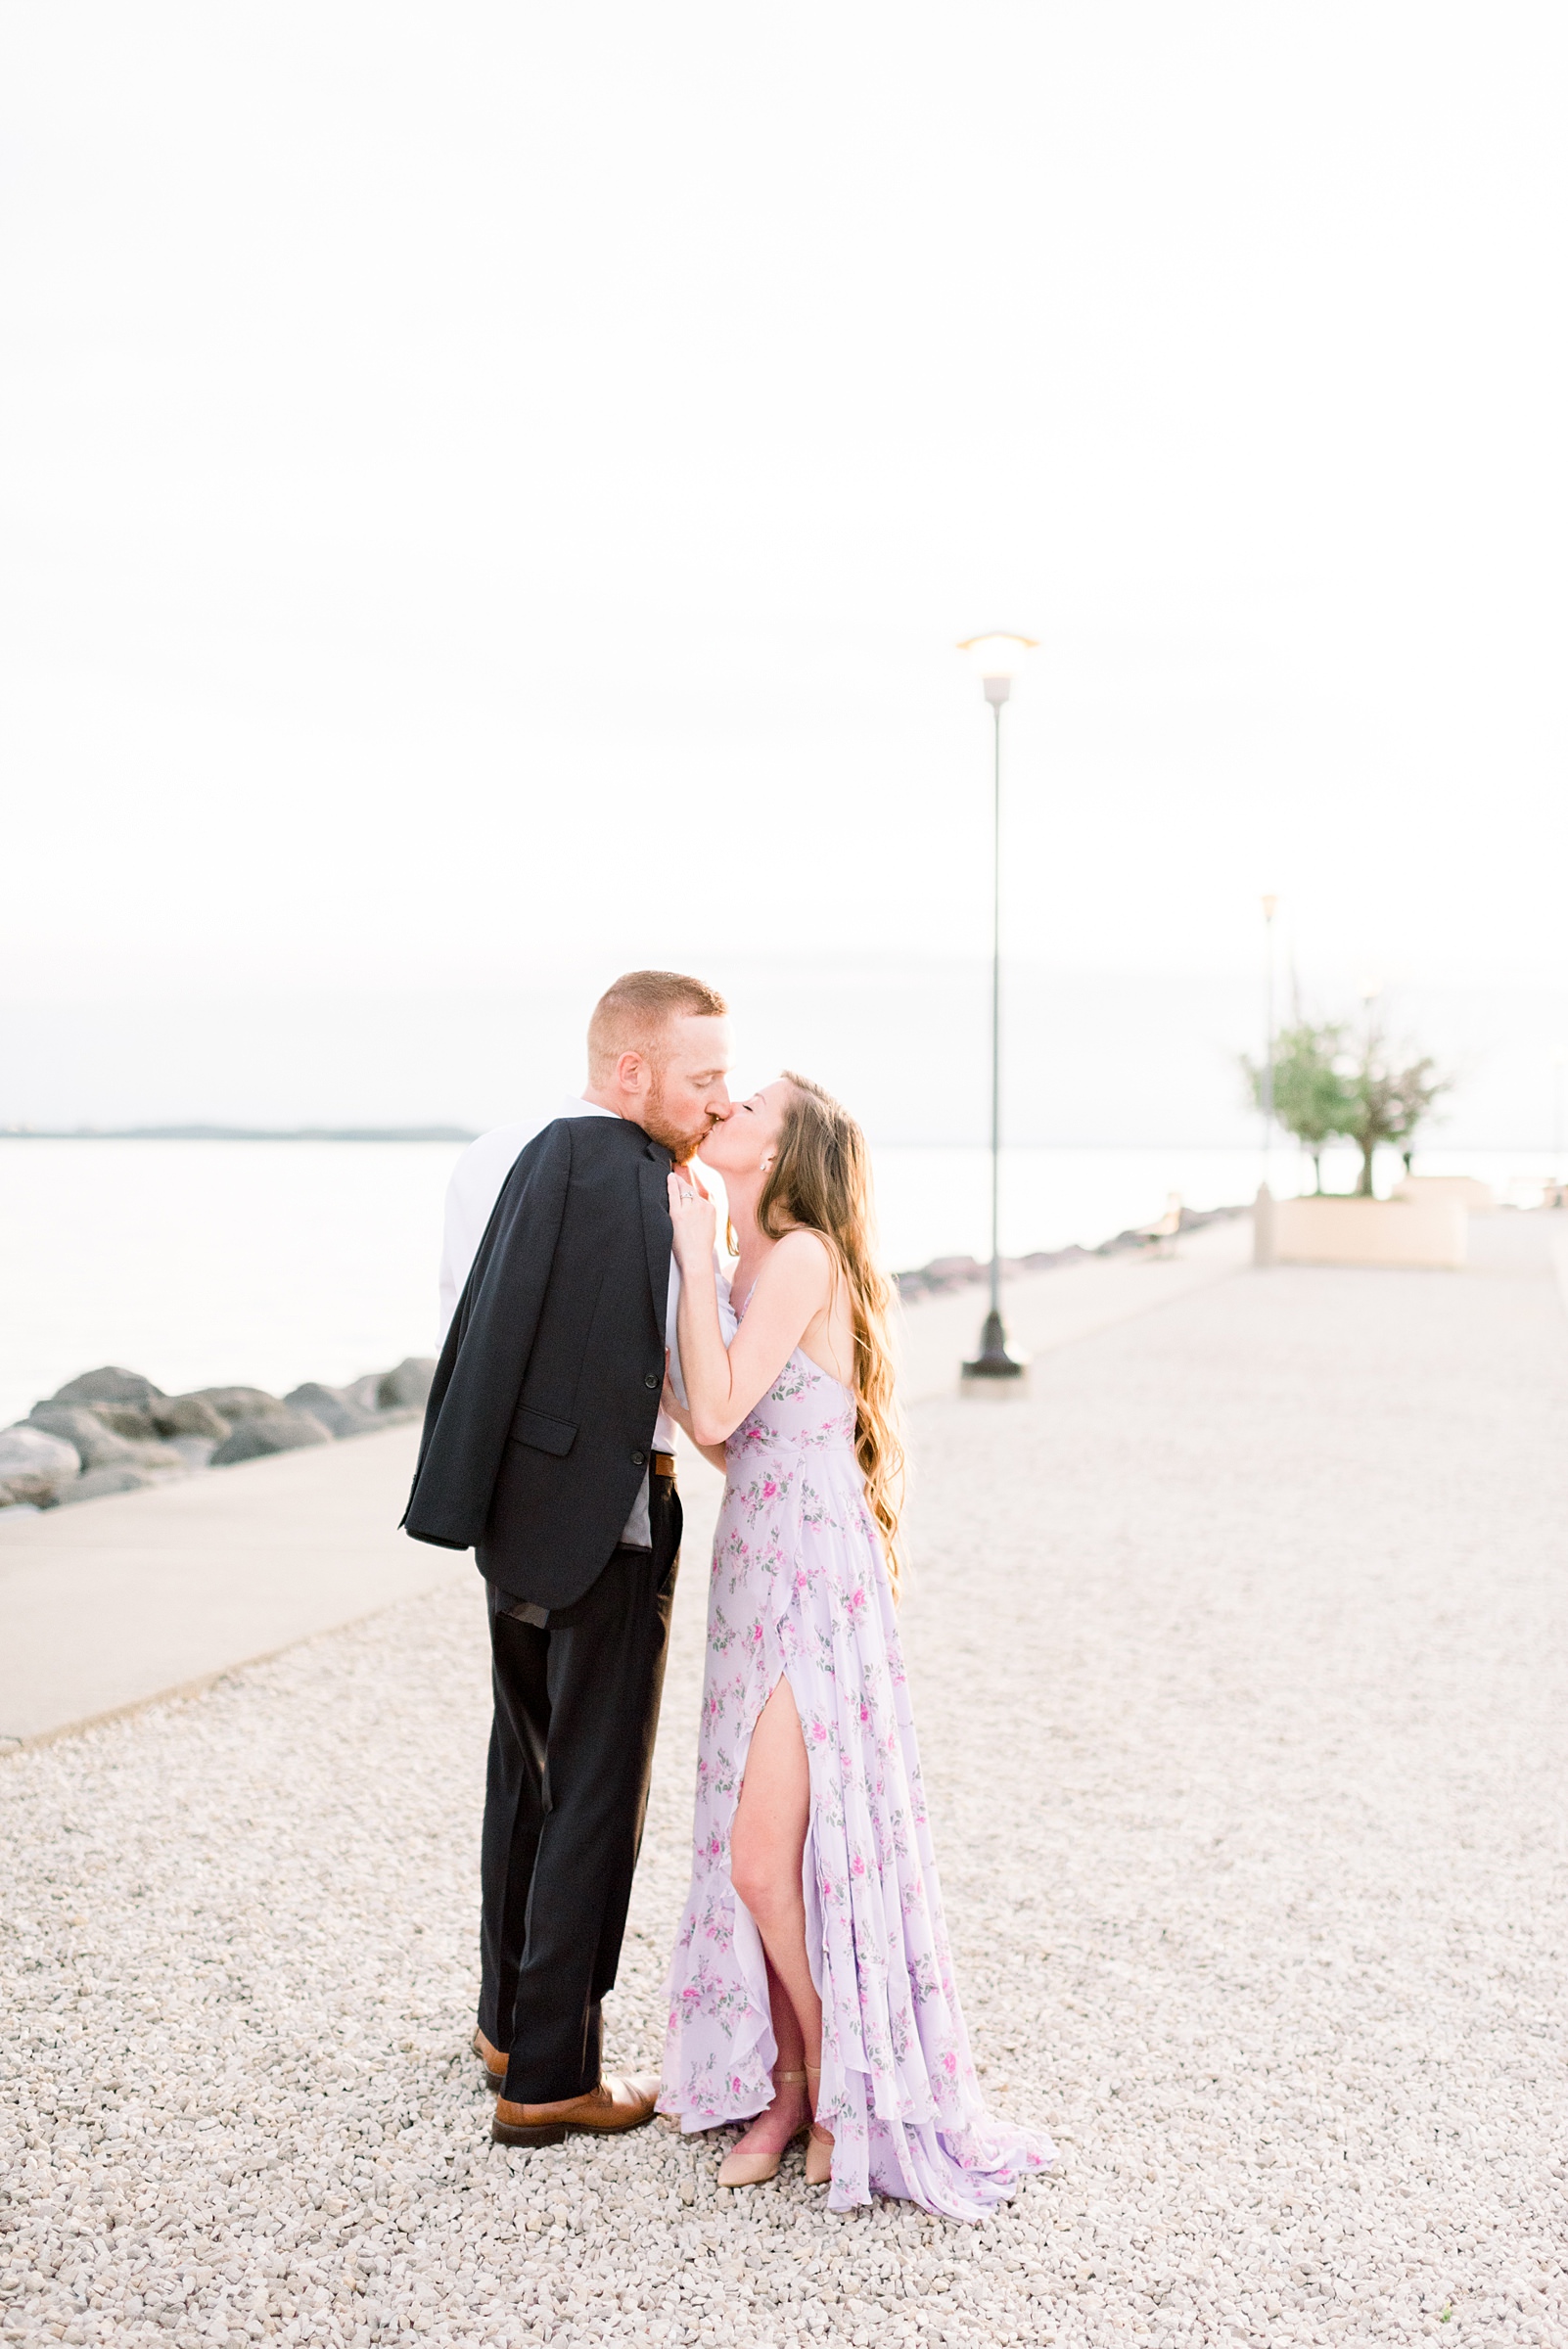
column 194, row 1132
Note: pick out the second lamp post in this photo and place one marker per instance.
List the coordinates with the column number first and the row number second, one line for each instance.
column 996, row 657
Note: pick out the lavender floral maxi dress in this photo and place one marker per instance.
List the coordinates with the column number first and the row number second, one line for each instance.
column 800, row 1587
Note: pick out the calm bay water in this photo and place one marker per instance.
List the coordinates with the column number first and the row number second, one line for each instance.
column 268, row 1263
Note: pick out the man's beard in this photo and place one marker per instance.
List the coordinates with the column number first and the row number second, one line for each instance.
column 683, row 1144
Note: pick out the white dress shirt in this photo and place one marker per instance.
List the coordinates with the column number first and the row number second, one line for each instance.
column 478, row 1180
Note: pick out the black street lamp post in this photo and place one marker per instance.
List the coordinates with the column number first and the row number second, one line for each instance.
column 1269, row 907
column 996, row 657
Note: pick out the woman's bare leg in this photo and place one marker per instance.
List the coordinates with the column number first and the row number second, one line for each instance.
column 766, row 1841
column 791, row 2043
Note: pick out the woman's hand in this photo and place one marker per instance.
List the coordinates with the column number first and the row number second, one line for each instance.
column 693, row 1225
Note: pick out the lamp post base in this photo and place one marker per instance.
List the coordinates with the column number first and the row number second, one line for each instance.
column 993, row 1365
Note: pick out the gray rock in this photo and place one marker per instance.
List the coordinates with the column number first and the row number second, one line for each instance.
column 195, row 1451
column 37, row 1484
column 98, row 1483
column 189, row 1415
column 407, row 1388
column 34, row 1464
column 336, row 1409
column 366, row 1391
column 235, row 1404
column 952, row 1273
column 168, row 1415
column 162, row 1458
column 134, row 1420
column 280, row 1430
column 108, row 1385
column 98, row 1446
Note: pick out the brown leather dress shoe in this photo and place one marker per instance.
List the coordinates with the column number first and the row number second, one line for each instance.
column 493, row 2059
column 612, row 2105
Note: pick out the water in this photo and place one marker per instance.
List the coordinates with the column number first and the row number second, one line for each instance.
column 267, row 1263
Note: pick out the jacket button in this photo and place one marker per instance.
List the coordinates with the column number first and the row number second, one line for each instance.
column 639, row 1459
column 649, row 1378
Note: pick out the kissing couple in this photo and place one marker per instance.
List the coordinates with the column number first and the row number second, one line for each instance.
column 811, row 1989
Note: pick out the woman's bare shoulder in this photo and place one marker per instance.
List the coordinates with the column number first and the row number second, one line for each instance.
column 802, row 1256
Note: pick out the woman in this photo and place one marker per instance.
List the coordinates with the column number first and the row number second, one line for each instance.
column 811, row 1984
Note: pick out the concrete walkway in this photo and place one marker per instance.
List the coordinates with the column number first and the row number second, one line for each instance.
column 111, row 1602
column 1238, row 1649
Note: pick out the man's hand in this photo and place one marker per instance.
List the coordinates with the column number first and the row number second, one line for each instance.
column 671, row 1404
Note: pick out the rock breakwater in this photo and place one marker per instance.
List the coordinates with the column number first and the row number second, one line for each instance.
column 948, row 1273
column 114, row 1431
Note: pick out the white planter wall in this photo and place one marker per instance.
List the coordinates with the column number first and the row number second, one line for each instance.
column 1420, row 1232
column 1476, row 1196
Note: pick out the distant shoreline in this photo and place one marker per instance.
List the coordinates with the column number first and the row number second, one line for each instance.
column 465, row 1133
column 236, row 1134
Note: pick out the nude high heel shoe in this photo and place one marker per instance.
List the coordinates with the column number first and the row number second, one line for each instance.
column 819, row 2144
column 756, row 2169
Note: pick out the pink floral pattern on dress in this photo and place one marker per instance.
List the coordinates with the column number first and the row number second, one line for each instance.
column 800, row 1587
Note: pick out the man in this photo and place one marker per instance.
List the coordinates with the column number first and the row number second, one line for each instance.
column 545, row 1451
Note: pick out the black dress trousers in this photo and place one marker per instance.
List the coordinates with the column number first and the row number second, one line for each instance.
column 577, row 1708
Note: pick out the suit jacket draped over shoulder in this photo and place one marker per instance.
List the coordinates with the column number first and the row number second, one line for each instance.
column 541, row 1416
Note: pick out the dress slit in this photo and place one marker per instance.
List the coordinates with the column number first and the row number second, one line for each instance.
column 745, row 1744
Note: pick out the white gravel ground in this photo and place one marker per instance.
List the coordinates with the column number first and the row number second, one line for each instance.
column 1239, row 1660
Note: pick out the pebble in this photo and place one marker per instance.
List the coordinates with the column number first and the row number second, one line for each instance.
column 1243, row 1713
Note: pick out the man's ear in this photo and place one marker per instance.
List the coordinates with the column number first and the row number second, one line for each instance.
column 630, row 1069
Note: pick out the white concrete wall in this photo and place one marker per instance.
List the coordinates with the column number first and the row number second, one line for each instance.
column 1428, row 1232
column 1476, row 1196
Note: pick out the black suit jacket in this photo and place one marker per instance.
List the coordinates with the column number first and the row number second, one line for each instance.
column 541, row 1420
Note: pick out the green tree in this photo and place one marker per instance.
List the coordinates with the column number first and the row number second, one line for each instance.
column 1388, row 1102
column 1312, row 1099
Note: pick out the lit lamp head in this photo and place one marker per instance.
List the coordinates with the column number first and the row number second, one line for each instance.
column 997, row 659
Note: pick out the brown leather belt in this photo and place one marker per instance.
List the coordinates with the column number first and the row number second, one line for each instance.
column 664, row 1463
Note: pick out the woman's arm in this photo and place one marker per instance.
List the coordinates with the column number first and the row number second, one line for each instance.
column 791, row 1290
column 673, row 1408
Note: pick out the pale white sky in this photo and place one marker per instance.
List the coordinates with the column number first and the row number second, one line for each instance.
column 486, row 489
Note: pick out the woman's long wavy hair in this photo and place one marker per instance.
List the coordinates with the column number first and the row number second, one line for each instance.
column 821, row 1178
